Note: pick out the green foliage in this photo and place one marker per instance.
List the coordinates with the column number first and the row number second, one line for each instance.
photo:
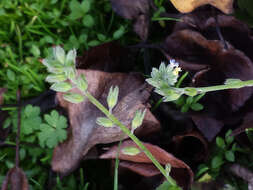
column 167, row 186
column 37, row 138
column 53, row 131
column 224, row 152
column 27, row 32
column 245, row 11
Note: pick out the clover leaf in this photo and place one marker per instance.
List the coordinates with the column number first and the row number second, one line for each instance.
column 53, row 131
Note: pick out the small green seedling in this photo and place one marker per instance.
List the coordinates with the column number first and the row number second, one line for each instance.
column 223, row 153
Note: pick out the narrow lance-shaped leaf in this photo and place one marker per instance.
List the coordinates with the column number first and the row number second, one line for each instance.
column 59, row 54
column 138, row 119
column 105, row 122
column 82, row 83
column 61, row 87
column 53, row 66
column 70, row 73
column 73, row 97
column 56, row 78
column 131, row 151
column 112, row 97
column 71, row 58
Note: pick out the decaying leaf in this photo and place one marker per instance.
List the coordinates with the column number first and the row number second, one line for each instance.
column 85, row 133
column 142, row 165
column 15, row 179
column 221, row 63
column 137, row 10
column 186, row 142
column 186, row 6
column 108, row 57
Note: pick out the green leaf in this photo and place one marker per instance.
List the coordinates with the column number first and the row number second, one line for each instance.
column 230, row 156
column 216, row 162
column 167, row 186
column 130, row 150
column 61, row 87
column 112, row 97
column 35, row 51
column 105, row 122
column 138, row 119
column 82, row 83
column 59, row 54
column 119, row 33
column 93, row 43
column 73, row 97
column 220, row 142
column 56, row 78
column 85, row 5
column 197, row 107
column 11, row 75
column 190, row 91
column 232, row 81
column 71, row 58
column 88, row 21
column 52, row 132
column 229, row 139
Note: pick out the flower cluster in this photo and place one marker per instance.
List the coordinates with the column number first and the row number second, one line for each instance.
column 164, row 78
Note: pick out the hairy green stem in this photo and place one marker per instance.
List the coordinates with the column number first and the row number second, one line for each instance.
column 131, row 135
column 235, row 85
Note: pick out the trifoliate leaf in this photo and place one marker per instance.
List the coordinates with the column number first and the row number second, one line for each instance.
column 131, row 151
column 56, row 78
column 61, row 87
column 59, row 54
column 82, row 83
column 105, row 122
column 73, row 97
column 112, row 97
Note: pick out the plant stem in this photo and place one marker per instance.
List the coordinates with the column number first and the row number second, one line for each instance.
column 18, row 131
column 235, row 85
column 131, row 135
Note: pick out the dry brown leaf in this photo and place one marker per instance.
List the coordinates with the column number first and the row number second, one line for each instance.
column 108, row 57
column 15, row 179
column 186, row 6
column 180, row 171
column 85, row 133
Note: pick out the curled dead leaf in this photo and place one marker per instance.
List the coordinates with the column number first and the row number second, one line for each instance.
column 186, row 142
column 15, row 179
column 142, row 165
column 186, row 6
column 84, row 132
